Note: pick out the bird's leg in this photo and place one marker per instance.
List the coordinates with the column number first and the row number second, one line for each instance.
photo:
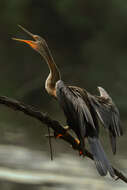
column 82, row 145
column 78, row 142
column 60, row 135
column 56, row 135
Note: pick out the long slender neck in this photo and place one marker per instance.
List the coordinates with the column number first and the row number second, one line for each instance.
column 54, row 74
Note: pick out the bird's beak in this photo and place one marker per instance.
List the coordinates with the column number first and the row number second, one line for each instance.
column 31, row 43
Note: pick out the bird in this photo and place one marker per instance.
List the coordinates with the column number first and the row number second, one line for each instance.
column 84, row 112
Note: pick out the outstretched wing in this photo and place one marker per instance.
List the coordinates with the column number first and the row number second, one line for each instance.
column 108, row 114
column 75, row 109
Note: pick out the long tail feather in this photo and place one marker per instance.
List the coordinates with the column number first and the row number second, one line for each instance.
column 112, row 138
column 102, row 164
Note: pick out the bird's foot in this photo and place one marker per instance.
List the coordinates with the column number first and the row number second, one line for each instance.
column 54, row 135
column 81, row 153
column 58, row 135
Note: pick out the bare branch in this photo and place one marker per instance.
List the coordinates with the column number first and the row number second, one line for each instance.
column 55, row 125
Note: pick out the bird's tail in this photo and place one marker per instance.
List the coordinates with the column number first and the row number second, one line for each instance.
column 102, row 164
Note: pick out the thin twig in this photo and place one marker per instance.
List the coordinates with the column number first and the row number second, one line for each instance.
column 55, row 125
column 50, row 144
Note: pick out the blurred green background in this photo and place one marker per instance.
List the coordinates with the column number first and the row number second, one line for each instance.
column 88, row 40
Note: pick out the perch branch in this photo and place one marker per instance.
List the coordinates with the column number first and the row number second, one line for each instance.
column 55, row 125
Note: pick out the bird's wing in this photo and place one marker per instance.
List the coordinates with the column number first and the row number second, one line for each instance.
column 80, row 115
column 108, row 114
column 75, row 108
column 103, row 93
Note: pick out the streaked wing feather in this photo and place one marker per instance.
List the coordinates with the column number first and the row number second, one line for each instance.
column 112, row 141
column 108, row 114
column 102, row 163
column 75, row 108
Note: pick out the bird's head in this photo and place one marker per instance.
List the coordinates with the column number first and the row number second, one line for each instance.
column 38, row 44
